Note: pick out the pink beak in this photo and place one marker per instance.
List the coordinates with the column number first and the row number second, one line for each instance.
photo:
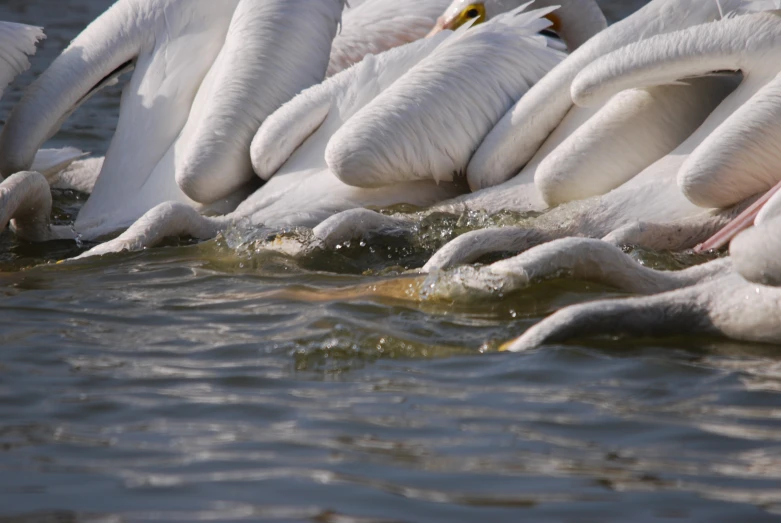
column 438, row 27
column 738, row 225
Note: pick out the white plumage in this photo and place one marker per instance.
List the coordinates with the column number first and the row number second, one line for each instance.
column 733, row 155
column 375, row 26
column 206, row 75
column 303, row 191
column 289, row 149
column 523, row 136
column 17, row 42
column 273, row 51
column 547, row 134
column 428, row 124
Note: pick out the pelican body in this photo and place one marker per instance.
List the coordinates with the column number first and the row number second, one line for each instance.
column 293, row 146
column 525, row 136
column 206, row 74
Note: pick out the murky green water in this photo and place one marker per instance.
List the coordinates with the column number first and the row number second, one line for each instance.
column 219, row 382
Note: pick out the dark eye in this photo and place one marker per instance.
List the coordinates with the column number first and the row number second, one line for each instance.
column 472, row 13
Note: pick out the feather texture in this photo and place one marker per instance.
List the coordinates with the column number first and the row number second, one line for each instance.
column 303, row 191
column 206, row 75
column 427, row 125
column 524, row 129
column 273, row 51
column 17, row 42
column 378, row 25
column 734, row 154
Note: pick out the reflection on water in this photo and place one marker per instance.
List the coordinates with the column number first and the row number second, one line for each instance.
column 224, row 382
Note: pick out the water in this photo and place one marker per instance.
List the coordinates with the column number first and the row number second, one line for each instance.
column 215, row 382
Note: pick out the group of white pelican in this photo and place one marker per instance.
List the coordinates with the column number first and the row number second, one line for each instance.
column 655, row 131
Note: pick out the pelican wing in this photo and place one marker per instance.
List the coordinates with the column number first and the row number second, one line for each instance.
column 107, row 46
column 428, row 124
column 740, row 158
column 378, row 25
column 631, row 131
column 514, row 141
column 733, row 153
column 177, row 44
column 274, row 49
column 299, row 124
column 303, row 191
column 288, row 128
column 17, row 42
column 740, row 44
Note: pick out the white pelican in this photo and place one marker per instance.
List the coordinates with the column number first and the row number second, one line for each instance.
column 737, row 297
column 731, row 157
column 523, row 137
column 206, row 75
column 290, row 148
column 417, row 129
column 573, row 155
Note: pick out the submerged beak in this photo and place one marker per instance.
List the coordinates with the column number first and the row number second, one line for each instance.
column 742, row 222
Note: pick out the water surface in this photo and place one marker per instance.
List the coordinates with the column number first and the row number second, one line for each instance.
column 218, row 382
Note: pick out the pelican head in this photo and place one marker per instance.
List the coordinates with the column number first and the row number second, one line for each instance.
column 575, row 21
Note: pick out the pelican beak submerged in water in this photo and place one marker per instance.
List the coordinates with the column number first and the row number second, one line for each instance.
column 575, row 21
column 206, row 74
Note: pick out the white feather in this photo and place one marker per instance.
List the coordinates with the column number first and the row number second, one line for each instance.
column 49, row 162
column 304, row 191
column 206, row 75
column 733, row 154
column 579, row 19
column 17, row 42
column 428, row 124
column 378, row 25
column 528, row 125
column 273, row 51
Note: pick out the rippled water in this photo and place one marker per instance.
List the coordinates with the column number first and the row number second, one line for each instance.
column 217, row 382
